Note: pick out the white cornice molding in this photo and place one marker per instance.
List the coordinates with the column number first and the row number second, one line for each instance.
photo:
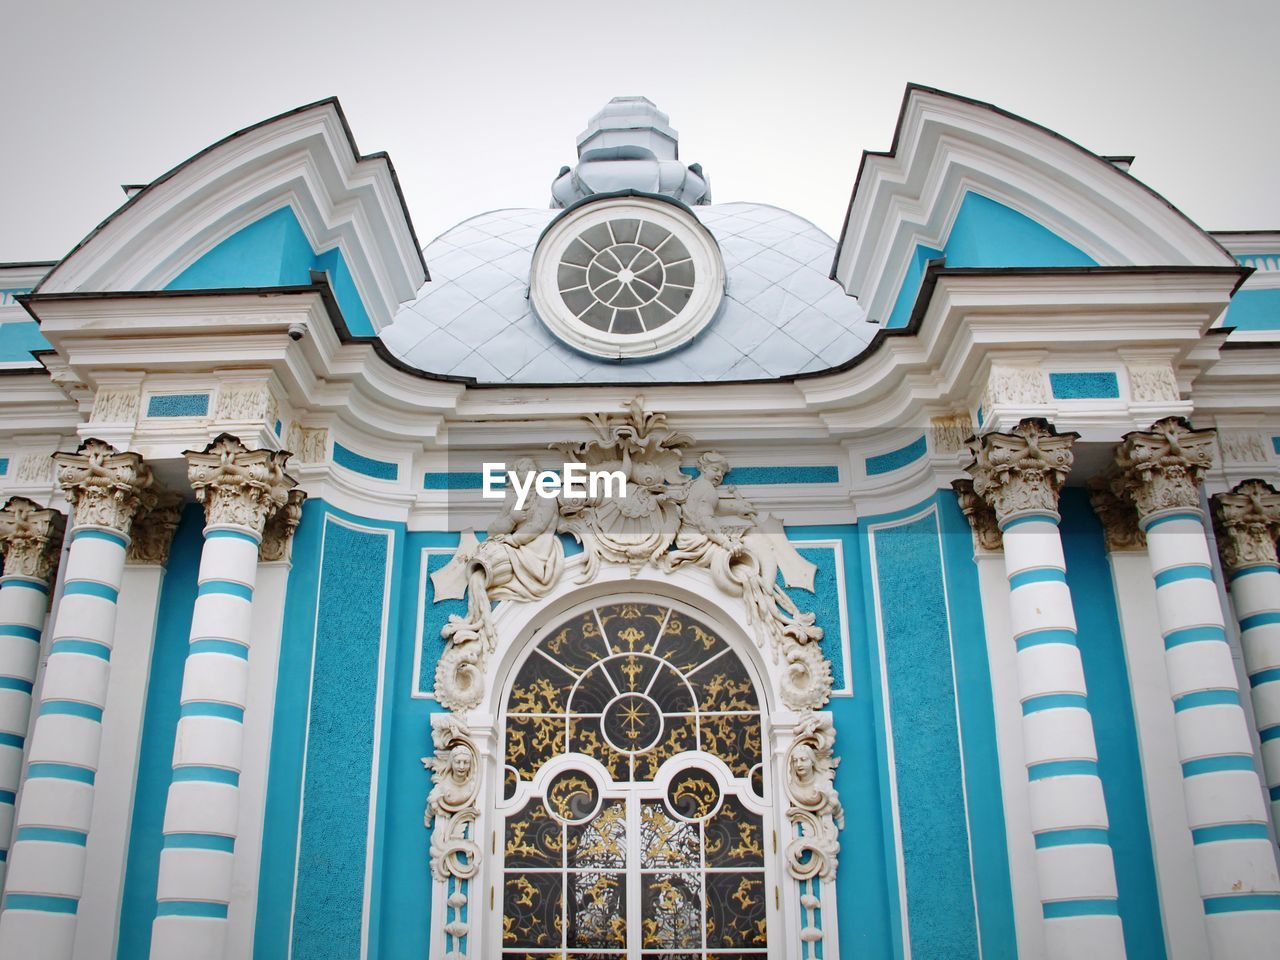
column 947, row 145
column 305, row 160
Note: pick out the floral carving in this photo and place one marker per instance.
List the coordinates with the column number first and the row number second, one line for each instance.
column 1242, row 447
column 115, row 405
column 1020, row 386
column 813, row 806
column 277, row 533
column 1162, row 469
column 308, row 444
column 1247, row 523
column 242, row 402
column 152, row 532
column 107, row 488
column 1022, row 471
column 238, row 486
column 986, row 529
column 951, row 432
column 34, row 468
column 1118, row 517
column 30, row 539
column 451, row 805
column 1152, row 383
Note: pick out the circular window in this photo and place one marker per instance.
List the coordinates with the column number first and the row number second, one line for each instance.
column 623, row 279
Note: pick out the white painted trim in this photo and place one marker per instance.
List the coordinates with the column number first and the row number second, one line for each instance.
column 1180, row 904
column 993, row 587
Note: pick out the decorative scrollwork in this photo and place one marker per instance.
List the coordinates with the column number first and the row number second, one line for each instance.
column 1164, row 467
column 30, row 539
column 1022, row 471
column 813, row 806
column 106, row 487
column 238, row 486
column 451, row 805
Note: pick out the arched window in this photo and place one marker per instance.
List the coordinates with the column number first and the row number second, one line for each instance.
column 634, row 810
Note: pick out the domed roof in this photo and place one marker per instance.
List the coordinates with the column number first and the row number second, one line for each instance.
column 781, row 313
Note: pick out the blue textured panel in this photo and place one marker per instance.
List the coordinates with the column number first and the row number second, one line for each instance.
column 358, row 463
column 1097, row 385
column 178, row 405
column 986, row 233
column 4, row 466
column 824, row 602
column 917, row 652
column 1275, row 444
column 335, row 811
column 452, row 481
column 759, row 476
column 159, row 727
column 1115, row 732
column 434, row 617
column 274, row 251
column 896, row 459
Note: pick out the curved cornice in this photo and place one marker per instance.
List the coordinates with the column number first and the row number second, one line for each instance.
column 945, row 145
column 306, row 159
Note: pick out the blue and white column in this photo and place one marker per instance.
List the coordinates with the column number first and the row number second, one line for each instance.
column 1019, row 475
column 31, row 537
column 240, row 490
column 45, row 876
column 1247, row 521
column 1160, row 473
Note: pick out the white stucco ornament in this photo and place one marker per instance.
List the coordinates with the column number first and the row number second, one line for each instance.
column 663, row 519
column 813, row 806
column 451, row 805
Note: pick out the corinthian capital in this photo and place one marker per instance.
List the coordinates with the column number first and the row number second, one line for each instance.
column 238, row 486
column 986, row 529
column 153, row 531
column 1247, row 522
column 1119, row 518
column 107, row 488
column 1023, row 470
column 277, row 535
column 1163, row 468
column 30, row 538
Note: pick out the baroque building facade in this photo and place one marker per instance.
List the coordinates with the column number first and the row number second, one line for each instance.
column 936, row 613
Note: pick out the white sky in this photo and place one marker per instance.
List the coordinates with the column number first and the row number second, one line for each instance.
column 479, row 102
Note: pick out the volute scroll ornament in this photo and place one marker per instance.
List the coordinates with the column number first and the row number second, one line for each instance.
column 277, row 533
column 1162, row 469
column 452, row 804
column 107, row 488
column 1022, row 472
column 986, row 528
column 238, row 486
column 1247, row 523
column 813, row 806
column 152, row 533
column 30, row 539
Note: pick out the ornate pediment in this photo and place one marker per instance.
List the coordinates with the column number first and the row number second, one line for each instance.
column 664, row 519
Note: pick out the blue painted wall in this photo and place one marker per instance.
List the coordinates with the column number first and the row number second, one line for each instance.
column 18, row 338
column 270, row 252
column 986, row 233
column 1254, row 310
column 159, row 727
column 935, row 707
column 1119, row 762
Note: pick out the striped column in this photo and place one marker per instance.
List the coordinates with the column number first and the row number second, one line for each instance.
column 31, row 538
column 1020, row 475
column 1160, row 473
column 46, row 865
column 240, row 489
column 1247, row 521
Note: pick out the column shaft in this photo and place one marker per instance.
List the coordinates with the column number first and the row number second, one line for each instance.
column 1255, row 591
column 1068, row 812
column 46, row 866
column 22, row 606
column 1234, row 861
